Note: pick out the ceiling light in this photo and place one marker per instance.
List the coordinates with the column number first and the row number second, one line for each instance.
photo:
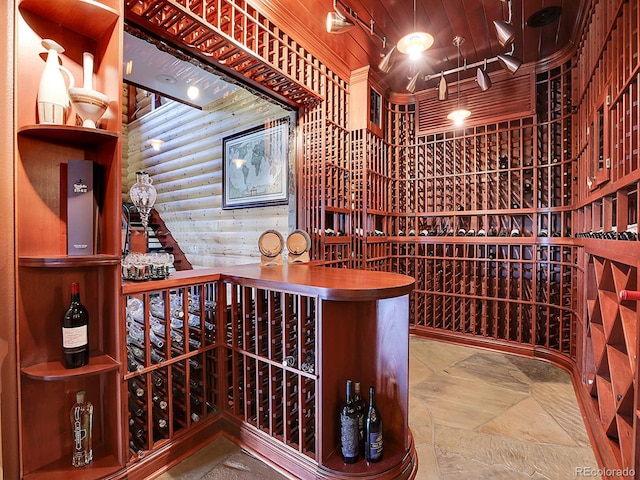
column 460, row 114
column 509, row 62
column 416, row 42
column 337, row 23
column 193, row 92
column 386, row 62
column 482, row 77
column 128, row 69
column 168, row 79
column 544, row 17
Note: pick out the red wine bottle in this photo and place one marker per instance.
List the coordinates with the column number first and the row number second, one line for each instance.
column 373, row 431
column 75, row 332
column 349, row 435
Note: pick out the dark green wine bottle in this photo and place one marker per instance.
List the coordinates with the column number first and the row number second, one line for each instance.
column 373, row 431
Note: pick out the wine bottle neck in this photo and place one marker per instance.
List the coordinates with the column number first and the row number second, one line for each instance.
column 349, row 392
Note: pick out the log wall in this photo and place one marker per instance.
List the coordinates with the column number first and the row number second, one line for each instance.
column 187, row 173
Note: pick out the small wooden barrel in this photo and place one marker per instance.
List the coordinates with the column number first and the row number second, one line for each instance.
column 271, row 243
column 298, row 242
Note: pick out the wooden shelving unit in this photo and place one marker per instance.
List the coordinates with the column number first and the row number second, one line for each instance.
column 44, row 270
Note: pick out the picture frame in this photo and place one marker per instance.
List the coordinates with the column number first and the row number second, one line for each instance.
column 255, row 166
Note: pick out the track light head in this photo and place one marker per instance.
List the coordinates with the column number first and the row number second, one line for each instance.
column 411, row 87
column 338, row 23
column 483, row 79
column 509, row 62
column 506, row 33
column 443, row 89
column 387, row 61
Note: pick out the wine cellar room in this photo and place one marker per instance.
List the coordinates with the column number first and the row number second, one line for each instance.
column 318, row 235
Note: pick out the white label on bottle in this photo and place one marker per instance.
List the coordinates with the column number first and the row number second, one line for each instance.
column 74, row 337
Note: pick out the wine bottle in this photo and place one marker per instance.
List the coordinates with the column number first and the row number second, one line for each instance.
column 361, row 410
column 349, row 428
column 373, row 431
column 82, row 427
column 75, row 332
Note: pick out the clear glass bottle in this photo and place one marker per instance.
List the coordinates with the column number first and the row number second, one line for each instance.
column 82, row 427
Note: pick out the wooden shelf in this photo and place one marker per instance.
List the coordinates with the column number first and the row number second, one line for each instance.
column 87, row 17
column 69, row 261
column 102, row 466
column 45, row 271
column 68, row 134
column 56, row 371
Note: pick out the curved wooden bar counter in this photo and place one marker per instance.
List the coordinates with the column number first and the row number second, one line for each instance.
column 333, row 325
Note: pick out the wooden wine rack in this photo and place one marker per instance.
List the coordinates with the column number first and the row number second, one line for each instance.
column 610, row 370
column 171, row 365
column 270, row 339
column 260, row 354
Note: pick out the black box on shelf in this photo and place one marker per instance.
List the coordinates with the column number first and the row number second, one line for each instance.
column 81, row 207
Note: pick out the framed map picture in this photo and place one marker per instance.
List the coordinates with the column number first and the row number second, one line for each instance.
column 255, row 166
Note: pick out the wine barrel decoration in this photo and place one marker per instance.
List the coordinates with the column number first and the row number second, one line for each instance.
column 271, row 245
column 298, row 244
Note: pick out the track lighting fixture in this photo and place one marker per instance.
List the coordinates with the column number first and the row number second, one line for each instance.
column 387, row 61
column 482, row 77
column 509, row 62
column 411, row 87
column 443, row 89
column 338, row 23
column 504, row 30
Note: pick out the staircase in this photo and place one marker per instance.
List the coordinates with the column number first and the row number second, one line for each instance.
column 159, row 238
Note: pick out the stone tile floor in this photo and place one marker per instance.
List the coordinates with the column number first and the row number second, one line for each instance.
column 474, row 415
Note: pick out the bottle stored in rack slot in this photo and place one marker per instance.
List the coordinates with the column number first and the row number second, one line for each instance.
column 75, row 331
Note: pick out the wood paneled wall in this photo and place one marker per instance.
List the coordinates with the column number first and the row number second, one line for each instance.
column 187, row 173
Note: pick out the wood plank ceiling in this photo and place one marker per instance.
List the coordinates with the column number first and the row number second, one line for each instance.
column 444, row 19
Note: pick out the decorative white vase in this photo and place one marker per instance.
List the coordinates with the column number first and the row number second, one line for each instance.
column 90, row 104
column 53, row 99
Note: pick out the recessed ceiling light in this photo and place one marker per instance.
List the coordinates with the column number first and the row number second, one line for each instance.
column 166, row 78
column 193, row 92
column 544, row 17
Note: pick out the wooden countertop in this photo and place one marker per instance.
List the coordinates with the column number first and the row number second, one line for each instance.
column 329, row 283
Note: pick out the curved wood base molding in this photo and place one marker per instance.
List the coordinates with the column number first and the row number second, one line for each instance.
column 398, row 467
